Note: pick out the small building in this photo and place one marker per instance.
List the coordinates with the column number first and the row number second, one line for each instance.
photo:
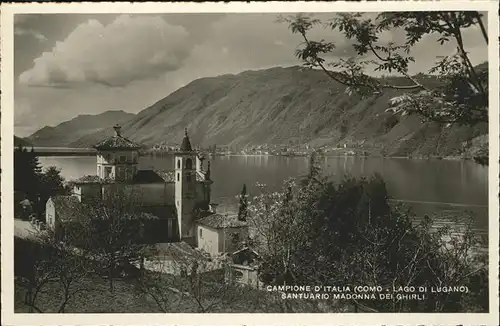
column 218, row 233
column 244, row 268
column 60, row 209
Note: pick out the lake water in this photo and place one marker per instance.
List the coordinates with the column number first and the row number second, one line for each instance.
column 427, row 186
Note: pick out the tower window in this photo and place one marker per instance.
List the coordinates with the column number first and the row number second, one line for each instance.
column 189, row 164
column 179, row 164
column 178, row 177
column 201, row 233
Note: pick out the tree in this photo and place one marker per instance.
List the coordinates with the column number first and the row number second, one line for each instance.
column 347, row 234
column 111, row 230
column 46, row 265
column 27, row 173
column 51, row 184
column 460, row 93
column 243, row 204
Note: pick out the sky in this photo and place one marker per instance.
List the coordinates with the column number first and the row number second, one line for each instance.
column 71, row 64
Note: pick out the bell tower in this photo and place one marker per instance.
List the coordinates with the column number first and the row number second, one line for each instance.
column 185, row 188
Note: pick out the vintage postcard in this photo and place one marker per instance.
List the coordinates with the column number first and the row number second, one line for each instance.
column 250, row 163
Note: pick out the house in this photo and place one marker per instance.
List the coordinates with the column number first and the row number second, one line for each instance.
column 60, row 209
column 218, row 233
column 244, row 268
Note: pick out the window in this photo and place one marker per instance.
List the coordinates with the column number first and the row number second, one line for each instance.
column 235, row 237
column 238, row 275
column 179, row 163
column 201, row 233
column 178, row 177
column 188, row 177
column 189, row 164
column 121, row 174
column 123, row 158
column 107, row 172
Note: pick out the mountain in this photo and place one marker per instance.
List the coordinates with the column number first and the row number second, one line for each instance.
column 283, row 106
column 67, row 132
column 21, row 141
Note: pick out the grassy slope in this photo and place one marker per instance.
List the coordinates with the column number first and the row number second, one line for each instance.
column 283, row 105
column 126, row 299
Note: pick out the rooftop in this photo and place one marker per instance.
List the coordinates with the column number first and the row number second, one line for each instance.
column 219, row 221
column 117, row 142
column 186, row 144
column 178, row 251
column 88, row 179
column 142, row 176
column 153, row 176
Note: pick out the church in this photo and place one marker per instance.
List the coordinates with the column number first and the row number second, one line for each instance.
column 179, row 198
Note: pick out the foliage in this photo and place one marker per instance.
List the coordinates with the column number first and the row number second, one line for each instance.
column 27, row 173
column 321, row 233
column 36, row 185
column 47, row 263
column 463, row 94
column 111, row 230
column 243, row 204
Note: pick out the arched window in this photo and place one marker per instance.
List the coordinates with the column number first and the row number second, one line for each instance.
column 189, row 164
column 178, row 177
column 178, row 163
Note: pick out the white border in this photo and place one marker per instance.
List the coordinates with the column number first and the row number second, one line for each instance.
column 7, row 100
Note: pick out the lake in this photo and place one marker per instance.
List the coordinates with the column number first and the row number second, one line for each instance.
column 427, row 186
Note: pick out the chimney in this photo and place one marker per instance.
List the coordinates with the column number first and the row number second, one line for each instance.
column 117, row 129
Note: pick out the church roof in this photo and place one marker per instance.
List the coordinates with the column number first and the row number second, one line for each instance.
column 167, row 176
column 152, row 176
column 219, row 221
column 117, row 142
column 186, row 144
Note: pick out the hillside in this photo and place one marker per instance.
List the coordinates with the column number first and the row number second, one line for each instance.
column 21, row 141
column 283, row 106
column 67, row 132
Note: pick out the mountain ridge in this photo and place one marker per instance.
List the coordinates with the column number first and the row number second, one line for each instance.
column 291, row 105
column 66, row 132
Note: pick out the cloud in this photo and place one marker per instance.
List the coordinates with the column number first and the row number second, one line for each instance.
column 126, row 50
column 30, row 32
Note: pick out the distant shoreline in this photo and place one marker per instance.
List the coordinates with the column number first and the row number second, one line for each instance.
column 90, row 152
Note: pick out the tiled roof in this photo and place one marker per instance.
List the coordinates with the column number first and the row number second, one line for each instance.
column 148, row 176
column 161, row 211
column 178, row 251
column 67, row 207
column 88, row 179
column 117, row 142
column 219, row 221
column 167, row 176
column 141, row 215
